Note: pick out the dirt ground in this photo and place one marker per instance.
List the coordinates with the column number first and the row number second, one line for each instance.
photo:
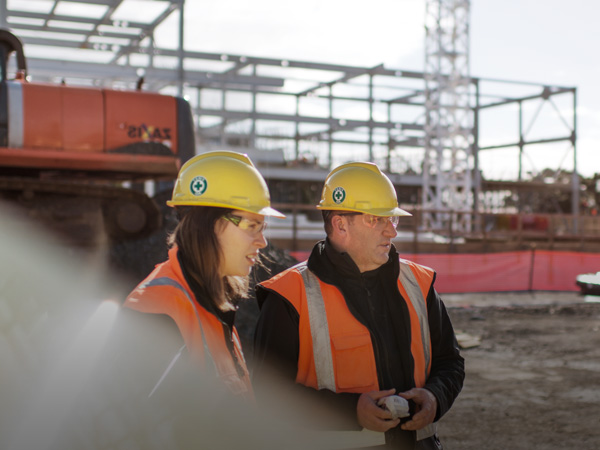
column 533, row 382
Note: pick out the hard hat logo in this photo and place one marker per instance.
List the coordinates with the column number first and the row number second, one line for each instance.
column 339, row 195
column 198, row 185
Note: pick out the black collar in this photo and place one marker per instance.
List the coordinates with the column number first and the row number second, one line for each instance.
column 329, row 264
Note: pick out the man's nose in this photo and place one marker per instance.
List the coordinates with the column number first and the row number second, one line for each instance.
column 390, row 230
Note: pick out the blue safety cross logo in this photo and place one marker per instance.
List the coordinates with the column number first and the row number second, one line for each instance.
column 339, row 195
column 198, row 185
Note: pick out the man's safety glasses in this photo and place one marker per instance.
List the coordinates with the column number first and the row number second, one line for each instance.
column 252, row 227
column 372, row 221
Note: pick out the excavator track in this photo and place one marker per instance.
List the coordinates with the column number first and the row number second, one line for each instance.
column 84, row 212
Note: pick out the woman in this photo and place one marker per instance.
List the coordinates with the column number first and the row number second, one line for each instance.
column 222, row 201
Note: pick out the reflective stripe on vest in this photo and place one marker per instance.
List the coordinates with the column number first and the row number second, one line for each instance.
column 166, row 281
column 408, row 280
column 322, row 346
column 415, row 295
column 319, row 330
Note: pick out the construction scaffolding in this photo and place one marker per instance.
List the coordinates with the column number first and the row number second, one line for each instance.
column 450, row 181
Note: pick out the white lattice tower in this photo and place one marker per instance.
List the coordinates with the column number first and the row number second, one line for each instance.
column 449, row 160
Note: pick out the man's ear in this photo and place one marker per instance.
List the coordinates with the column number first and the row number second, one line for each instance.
column 338, row 224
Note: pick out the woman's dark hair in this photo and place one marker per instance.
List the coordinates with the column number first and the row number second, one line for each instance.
column 200, row 254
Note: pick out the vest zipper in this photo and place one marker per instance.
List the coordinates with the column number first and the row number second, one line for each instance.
column 379, row 359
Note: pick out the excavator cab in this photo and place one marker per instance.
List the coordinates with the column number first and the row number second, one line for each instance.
column 67, row 148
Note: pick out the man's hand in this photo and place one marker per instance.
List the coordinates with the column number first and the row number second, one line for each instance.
column 426, row 408
column 373, row 417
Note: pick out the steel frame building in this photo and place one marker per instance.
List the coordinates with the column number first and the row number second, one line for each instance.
column 301, row 113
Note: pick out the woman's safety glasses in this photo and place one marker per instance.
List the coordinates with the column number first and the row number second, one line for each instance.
column 372, row 221
column 252, row 227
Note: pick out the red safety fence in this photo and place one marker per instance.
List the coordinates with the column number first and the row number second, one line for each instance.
column 532, row 270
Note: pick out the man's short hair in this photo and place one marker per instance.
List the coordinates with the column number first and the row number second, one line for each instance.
column 327, row 215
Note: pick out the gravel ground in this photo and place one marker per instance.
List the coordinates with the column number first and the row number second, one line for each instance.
column 533, row 382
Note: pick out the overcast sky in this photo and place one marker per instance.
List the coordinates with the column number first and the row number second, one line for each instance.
column 553, row 42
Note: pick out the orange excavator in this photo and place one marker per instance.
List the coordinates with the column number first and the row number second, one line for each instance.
column 72, row 156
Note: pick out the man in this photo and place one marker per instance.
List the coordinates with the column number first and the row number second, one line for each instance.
column 356, row 324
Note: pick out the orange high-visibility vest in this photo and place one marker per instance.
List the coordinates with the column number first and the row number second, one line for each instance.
column 336, row 351
column 165, row 291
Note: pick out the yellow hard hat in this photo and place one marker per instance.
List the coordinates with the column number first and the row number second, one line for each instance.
column 360, row 187
column 224, row 179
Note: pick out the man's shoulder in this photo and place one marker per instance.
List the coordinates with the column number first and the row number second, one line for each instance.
column 288, row 285
column 289, row 275
column 413, row 264
column 416, row 267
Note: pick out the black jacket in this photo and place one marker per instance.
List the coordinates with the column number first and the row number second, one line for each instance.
column 374, row 299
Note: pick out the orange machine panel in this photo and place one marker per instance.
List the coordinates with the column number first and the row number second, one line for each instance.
column 42, row 120
column 140, row 117
column 63, row 118
column 83, row 119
